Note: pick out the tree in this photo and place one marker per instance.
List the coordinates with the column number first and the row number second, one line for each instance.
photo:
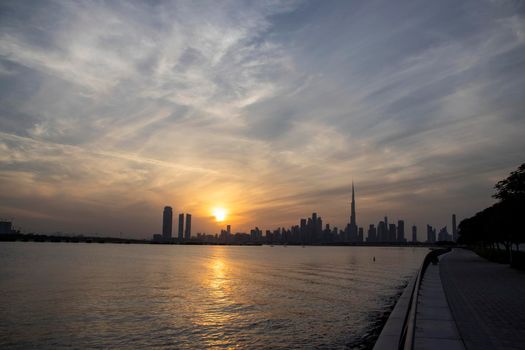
column 501, row 222
column 513, row 187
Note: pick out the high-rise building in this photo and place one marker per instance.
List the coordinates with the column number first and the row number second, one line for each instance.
column 401, row 231
column 444, row 235
column 431, row 234
column 167, row 220
column 303, row 230
column 181, row 227
column 414, row 234
column 313, row 228
column 454, row 228
column 255, row 235
column 352, row 228
column 392, row 232
column 319, row 229
column 372, row 234
column 382, row 232
column 187, row 233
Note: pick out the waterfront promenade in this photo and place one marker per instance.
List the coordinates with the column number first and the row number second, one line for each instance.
column 435, row 325
column 487, row 300
column 464, row 302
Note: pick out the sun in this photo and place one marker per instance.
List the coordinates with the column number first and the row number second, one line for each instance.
column 220, row 214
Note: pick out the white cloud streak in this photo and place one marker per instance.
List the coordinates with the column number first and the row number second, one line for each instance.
column 268, row 107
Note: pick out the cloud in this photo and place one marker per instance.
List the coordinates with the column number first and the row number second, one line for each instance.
column 109, row 111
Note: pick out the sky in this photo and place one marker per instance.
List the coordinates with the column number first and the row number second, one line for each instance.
column 111, row 110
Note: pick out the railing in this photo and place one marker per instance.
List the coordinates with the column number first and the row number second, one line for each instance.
column 406, row 341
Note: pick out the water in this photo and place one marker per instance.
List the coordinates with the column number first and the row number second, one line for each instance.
column 60, row 295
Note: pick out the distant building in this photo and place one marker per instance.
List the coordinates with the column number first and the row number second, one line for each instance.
column 392, row 233
column 187, row 232
column 401, row 231
column 181, row 227
column 444, row 235
column 167, row 220
column 255, row 235
column 431, row 234
column 303, row 231
column 352, row 227
column 382, row 232
column 454, row 228
column 313, row 228
column 319, row 229
column 414, row 234
column 6, row 227
column 372, row 234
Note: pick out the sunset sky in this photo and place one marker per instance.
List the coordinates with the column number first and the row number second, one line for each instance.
column 111, row 110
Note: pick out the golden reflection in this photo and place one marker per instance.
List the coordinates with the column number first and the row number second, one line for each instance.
column 221, row 302
column 219, row 291
column 217, row 279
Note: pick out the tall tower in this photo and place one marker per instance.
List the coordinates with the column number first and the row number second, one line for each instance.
column 181, row 227
column 352, row 227
column 352, row 213
column 167, row 220
column 187, row 233
column 401, row 231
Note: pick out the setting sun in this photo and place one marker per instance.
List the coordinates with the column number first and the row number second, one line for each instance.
column 220, row 214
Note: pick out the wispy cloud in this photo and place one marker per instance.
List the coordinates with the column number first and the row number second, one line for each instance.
column 109, row 111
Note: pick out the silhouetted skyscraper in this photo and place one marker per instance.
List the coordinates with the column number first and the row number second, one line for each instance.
column 352, row 213
column 167, row 220
column 181, row 227
column 431, row 234
column 454, row 228
column 352, row 230
column 303, row 230
column 414, row 233
column 313, row 228
column 401, row 231
column 382, row 232
column 444, row 235
column 187, row 233
column 372, row 234
column 392, row 232
column 319, row 229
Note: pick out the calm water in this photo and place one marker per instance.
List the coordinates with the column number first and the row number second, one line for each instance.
column 58, row 295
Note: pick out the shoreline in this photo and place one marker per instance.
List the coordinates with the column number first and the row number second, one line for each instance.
column 18, row 237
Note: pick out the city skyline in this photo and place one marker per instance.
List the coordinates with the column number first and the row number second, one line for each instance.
column 311, row 230
column 267, row 110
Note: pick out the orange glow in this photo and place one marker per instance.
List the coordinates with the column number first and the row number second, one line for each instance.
column 220, row 214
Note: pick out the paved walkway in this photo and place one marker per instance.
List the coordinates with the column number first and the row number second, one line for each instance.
column 487, row 300
column 435, row 326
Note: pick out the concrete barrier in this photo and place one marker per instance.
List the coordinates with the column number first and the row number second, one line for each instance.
column 399, row 329
column 393, row 329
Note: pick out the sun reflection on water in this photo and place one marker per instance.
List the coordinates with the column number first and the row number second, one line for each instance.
column 216, row 279
column 213, row 312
